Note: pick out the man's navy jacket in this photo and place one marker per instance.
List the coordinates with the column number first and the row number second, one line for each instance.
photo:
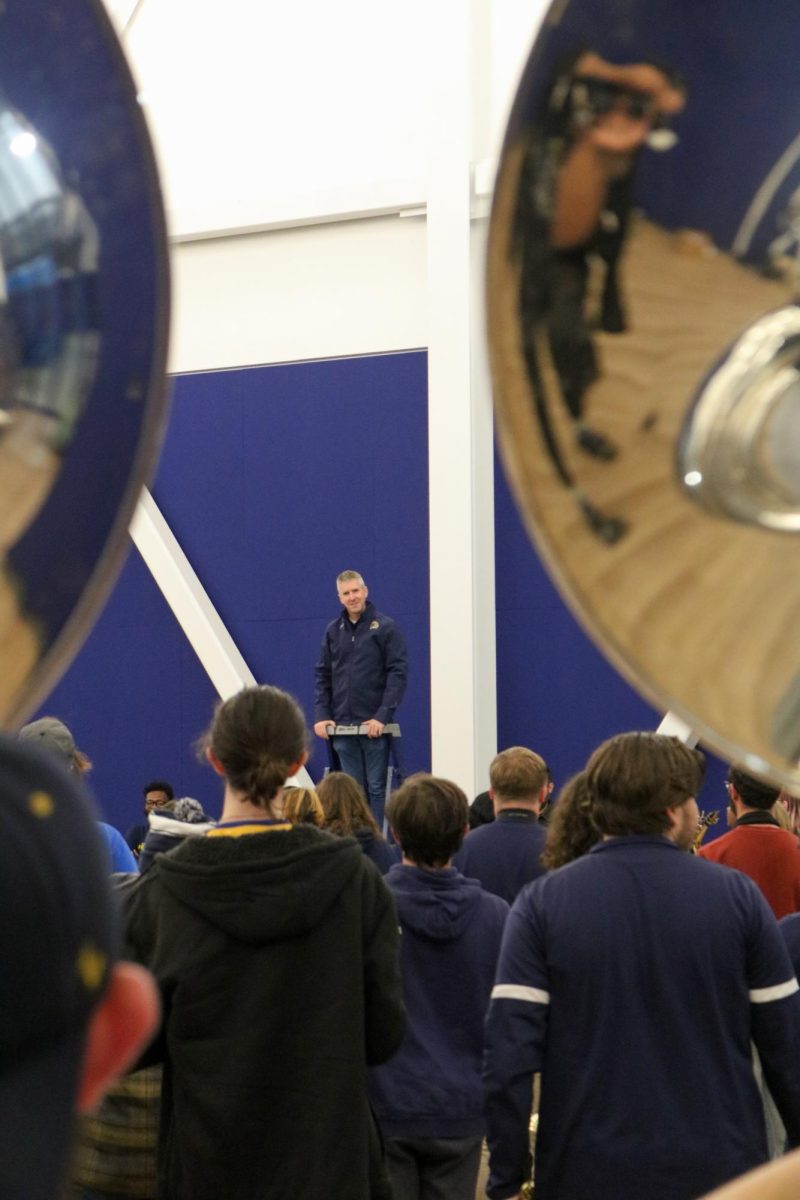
column 362, row 669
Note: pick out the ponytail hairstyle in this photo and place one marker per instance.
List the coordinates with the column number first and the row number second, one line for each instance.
column 258, row 736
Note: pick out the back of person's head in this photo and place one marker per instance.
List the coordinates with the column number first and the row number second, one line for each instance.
column 258, row 738
column 72, row 1017
column 345, row 805
column 301, row 806
column 56, row 738
column 634, row 778
column 571, row 831
column 518, row 775
column 428, row 817
column 753, row 793
column 481, row 811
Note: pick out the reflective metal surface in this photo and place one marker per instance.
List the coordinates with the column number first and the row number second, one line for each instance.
column 83, row 321
column 644, row 268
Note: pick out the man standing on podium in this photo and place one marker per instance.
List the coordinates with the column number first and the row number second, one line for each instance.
column 360, row 680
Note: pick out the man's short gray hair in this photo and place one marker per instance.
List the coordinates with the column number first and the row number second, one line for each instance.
column 346, row 576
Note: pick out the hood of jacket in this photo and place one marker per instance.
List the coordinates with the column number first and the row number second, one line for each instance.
column 261, row 887
column 436, row 905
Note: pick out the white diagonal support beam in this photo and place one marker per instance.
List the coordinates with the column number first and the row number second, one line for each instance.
column 191, row 605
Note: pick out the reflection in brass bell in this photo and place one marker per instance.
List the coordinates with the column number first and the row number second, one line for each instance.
column 83, row 322
column 644, row 263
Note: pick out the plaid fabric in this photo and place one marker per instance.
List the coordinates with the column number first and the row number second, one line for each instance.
column 116, row 1150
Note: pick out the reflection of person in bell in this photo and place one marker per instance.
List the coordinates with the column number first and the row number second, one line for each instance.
column 574, row 202
column 608, row 112
column 783, row 253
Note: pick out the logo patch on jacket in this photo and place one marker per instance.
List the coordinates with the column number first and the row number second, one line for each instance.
column 374, row 624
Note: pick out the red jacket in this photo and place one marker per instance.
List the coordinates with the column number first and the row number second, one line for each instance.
column 768, row 854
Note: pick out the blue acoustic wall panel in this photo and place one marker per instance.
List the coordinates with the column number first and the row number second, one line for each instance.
column 135, row 698
column 273, row 479
column 555, row 691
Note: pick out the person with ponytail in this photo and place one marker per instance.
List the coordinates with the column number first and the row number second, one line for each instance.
column 276, row 949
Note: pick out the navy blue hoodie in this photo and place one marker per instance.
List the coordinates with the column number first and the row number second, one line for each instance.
column 451, row 931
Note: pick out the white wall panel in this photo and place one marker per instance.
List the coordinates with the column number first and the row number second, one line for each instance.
column 355, row 288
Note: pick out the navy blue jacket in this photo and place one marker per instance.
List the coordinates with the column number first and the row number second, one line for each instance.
column 362, row 669
column 634, row 979
column 450, row 938
column 505, row 855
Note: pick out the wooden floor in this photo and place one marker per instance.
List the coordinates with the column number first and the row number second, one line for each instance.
column 705, row 611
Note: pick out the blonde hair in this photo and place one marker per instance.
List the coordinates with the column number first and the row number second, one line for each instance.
column 518, row 774
column 301, row 806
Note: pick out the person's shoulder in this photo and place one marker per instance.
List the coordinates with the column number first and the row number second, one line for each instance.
column 474, row 837
column 491, row 906
column 720, row 878
column 381, row 623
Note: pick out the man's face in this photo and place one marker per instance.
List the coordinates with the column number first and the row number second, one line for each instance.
column 353, row 595
column 155, row 800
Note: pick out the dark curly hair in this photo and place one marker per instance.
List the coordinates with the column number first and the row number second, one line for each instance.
column 571, row 830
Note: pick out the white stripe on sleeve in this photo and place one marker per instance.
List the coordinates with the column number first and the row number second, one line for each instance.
column 515, row 991
column 778, row 992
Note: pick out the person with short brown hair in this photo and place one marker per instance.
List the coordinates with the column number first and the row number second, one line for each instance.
column 428, row 1098
column 506, row 854
column 634, row 979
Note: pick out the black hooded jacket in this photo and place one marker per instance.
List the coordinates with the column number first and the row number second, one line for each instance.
column 276, row 953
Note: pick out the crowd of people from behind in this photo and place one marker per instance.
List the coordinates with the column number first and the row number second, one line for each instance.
column 578, row 941
column 353, row 1015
